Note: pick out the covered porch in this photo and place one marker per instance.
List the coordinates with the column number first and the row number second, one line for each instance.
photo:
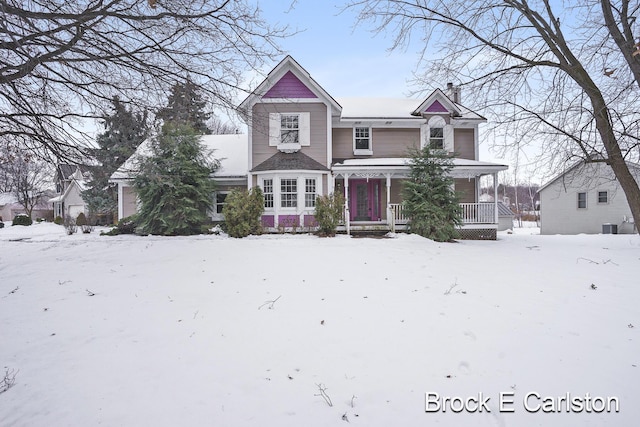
column 373, row 198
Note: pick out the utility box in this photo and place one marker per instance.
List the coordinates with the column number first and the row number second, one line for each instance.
column 609, row 229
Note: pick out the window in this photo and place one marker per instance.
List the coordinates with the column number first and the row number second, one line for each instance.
column 267, row 190
column 309, row 193
column 289, row 129
column 288, row 193
column 220, row 202
column 603, row 197
column 362, row 139
column 436, row 138
column 582, row 200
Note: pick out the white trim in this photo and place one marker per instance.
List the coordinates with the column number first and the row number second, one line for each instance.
column 362, row 151
column 288, row 100
column 120, row 200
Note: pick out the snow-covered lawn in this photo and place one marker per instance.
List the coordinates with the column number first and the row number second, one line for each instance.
column 212, row 331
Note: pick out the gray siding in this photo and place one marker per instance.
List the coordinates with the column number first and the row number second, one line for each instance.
column 466, row 188
column 559, row 212
column 464, row 144
column 385, row 142
column 317, row 149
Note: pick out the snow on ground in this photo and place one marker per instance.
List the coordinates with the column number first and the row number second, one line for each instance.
column 208, row 330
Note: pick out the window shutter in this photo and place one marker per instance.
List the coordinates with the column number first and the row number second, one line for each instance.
column 305, row 129
column 274, row 129
column 448, row 138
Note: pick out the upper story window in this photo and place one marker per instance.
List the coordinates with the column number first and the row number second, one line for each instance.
column 582, row 200
column 436, row 138
column 289, row 129
column 362, row 141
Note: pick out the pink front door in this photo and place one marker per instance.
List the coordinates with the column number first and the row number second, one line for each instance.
column 364, row 200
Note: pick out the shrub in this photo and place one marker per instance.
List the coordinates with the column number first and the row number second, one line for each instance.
column 328, row 213
column 242, row 211
column 22, row 220
column 126, row 225
column 58, row 220
column 429, row 199
column 81, row 219
column 70, row 225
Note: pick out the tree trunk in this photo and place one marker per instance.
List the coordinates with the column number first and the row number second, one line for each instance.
column 615, row 158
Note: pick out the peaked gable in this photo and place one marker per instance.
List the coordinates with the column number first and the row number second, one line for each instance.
column 436, row 107
column 289, row 86
column 437, row 103
column 288, row 80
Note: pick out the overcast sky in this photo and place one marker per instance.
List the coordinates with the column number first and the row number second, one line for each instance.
column 348, row 59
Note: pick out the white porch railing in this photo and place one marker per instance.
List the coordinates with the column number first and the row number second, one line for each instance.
column 397, row 213
column 472, row 213
column 478, row 213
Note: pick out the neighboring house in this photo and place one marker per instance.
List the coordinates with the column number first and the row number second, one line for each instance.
column 9, row 208
column 71, row 181
column 583, row 199
column 303, row 143
column 230, row 150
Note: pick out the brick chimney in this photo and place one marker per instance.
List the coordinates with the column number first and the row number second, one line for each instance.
column 453, row 92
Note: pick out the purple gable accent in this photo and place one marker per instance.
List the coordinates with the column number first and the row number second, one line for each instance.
column 289, row 86
column 436, row 107
column 288, row 220
column 268, row 220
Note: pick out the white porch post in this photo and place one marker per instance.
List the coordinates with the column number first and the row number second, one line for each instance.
column 495, row 196
column 389, row 213
column 347, row 215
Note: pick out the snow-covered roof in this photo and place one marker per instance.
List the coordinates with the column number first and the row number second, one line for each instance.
column 230, row 150
column 390, row 108
column 7, row 199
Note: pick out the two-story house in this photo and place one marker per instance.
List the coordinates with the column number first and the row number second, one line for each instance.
column 302, row 142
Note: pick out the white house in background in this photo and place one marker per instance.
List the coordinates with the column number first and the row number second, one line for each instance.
column 583, row 198
column 71, row 181
column 230, row 150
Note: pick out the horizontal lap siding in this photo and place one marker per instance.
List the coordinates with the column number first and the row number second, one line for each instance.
column 129, row 205
column 464, row 144
column 317, row 150
column 385, row 142
column 467, row 189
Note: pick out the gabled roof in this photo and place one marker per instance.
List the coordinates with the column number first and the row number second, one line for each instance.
column 574, row 166
column 231, row 150
column 289, row 161
column 436, row 103
column 289, row 70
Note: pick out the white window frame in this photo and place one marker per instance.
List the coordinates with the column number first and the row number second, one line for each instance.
column 215, row 215
column 578, row 200
column 310, row 192
column 439, row 139
column 275, row 131
column 606, row 197
column 268, row 193
column 289, row 203
column 362, row 151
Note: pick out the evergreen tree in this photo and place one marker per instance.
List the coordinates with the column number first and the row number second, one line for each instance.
column 429, row 199
column 124, row 131
column 185, row 106
column 174, row 185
